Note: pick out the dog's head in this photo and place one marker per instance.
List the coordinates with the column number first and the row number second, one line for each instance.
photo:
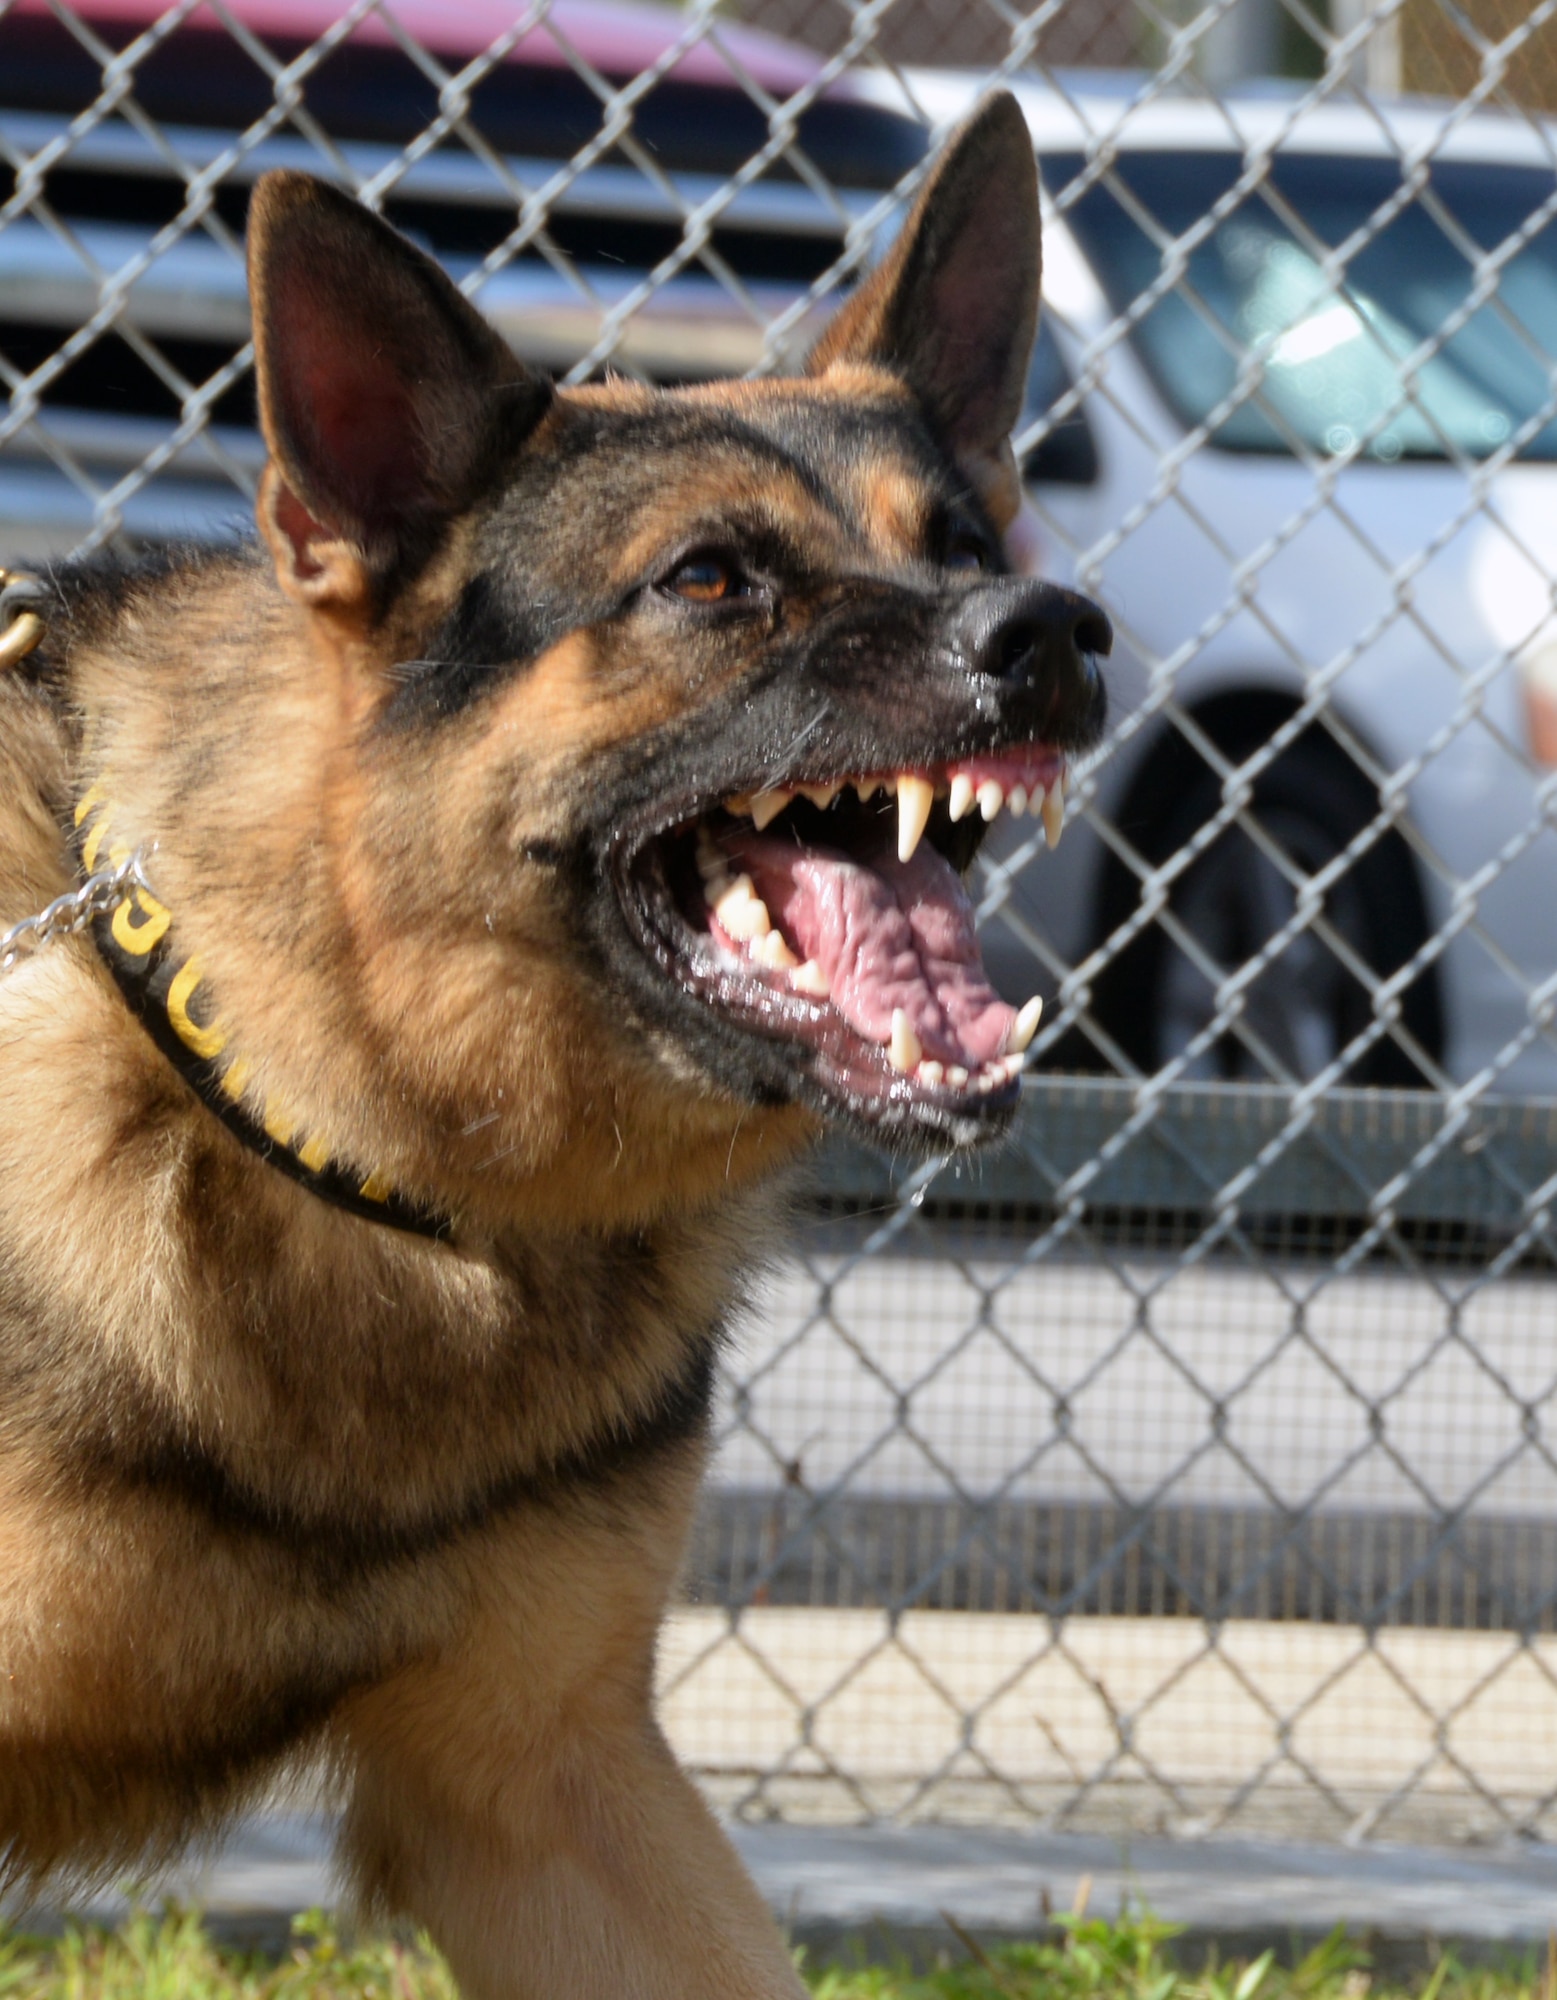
column 682, row 711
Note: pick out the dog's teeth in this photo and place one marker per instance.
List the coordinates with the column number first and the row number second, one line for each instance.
column 991, row 798
column 820, row 795
column 887, row 785
column 1054, row 811
column 904, row 1050
column 962, row 796
column 957, row 1076
column 810, row 979
column 1013, row 1066
column 1016, row 801
column 742, row 911
column 738, row 805
column 1024, row 1027
column 867, row 789
column 930, row 1072
column 766, row 806
column 716, row 888
column 915, row 796
column 772, row 949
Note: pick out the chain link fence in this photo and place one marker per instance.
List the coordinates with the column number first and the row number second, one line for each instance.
column 1189, row 1465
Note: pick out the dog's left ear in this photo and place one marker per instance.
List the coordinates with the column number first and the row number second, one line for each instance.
column 953, row 308
column 385, row 398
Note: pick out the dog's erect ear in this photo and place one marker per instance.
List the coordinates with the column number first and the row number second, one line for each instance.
column 384, row 395
column 953, row 307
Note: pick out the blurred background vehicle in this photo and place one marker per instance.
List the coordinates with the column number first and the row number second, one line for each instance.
column 1307, row 463
column 560, row 222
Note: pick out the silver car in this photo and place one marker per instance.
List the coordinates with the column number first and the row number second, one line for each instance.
column 1300, row 440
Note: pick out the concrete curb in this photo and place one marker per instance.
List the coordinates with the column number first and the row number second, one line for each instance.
column 891, row 1886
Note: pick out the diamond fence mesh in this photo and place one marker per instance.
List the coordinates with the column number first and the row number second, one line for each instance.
column 1190, row 1465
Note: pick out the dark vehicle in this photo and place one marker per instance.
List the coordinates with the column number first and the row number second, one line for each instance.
column 574, row 177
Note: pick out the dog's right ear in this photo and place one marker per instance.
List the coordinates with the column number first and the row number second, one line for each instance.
column 953, row 307
column 384, row 396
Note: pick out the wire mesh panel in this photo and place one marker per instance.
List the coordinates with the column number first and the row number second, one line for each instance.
column 1190, row 1463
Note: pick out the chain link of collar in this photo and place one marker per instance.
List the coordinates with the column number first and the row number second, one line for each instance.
column 21, row 629
column 98, row 896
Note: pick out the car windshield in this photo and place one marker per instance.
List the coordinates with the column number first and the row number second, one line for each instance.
column 1334, row 344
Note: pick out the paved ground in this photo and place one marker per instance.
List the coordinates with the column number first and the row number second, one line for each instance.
column 825, row 1882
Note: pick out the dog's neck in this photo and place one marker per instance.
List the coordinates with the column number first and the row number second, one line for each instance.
column 373, row 1005
column 161, row 983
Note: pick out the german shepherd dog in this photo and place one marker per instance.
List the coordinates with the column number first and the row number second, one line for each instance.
column 552, row 826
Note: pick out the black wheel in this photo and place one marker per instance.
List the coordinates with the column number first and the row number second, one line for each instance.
column 1307, row 1005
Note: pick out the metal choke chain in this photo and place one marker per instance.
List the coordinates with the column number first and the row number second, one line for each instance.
column 21, row 628
column 72, row 912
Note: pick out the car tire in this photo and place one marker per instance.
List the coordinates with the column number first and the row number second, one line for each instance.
column 1308, row 1005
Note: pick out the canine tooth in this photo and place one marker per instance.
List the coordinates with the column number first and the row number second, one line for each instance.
column 915, row 796
column 905, row 1049
column 766, row 806
column 1016, row 800
column 1025, row 1026
column 1054, row 812
column 961, row 796
column 820, row 795
column 1013, row 1066
column 811, row 979
column 742, row 911
column 930, row 1072
column 957, row 1076
column 991, row 798
column 772, row 948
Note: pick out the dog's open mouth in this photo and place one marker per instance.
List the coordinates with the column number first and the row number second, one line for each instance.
column 831, row 916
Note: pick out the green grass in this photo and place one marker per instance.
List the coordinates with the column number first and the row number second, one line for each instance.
column 173, row 1957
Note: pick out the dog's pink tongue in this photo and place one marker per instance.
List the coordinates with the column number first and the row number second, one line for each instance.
column 894, row 934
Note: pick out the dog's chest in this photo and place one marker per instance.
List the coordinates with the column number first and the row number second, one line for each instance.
column 369, row 1399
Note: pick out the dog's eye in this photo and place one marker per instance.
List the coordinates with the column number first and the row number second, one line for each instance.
column 706, row 578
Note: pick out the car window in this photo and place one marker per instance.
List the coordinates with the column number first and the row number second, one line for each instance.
column 1066, row 455
column 1335, row 345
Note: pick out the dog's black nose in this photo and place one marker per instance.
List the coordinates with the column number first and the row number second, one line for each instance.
column 1011, row 629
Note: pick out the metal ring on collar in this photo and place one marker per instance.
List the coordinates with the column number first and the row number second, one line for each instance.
column 20, row 628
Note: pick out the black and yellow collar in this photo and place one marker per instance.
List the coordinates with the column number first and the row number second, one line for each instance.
column 162, row 986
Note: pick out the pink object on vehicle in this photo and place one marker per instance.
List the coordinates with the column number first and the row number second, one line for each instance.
column 618, row 37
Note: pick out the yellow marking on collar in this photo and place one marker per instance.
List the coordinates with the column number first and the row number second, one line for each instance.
column 94, row 795
column 207, row 1042
column 316, row 1154
column 94, row 839
column 140, row 938
column 376, row 1188
column 235, row 1078
column 278, row 1122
